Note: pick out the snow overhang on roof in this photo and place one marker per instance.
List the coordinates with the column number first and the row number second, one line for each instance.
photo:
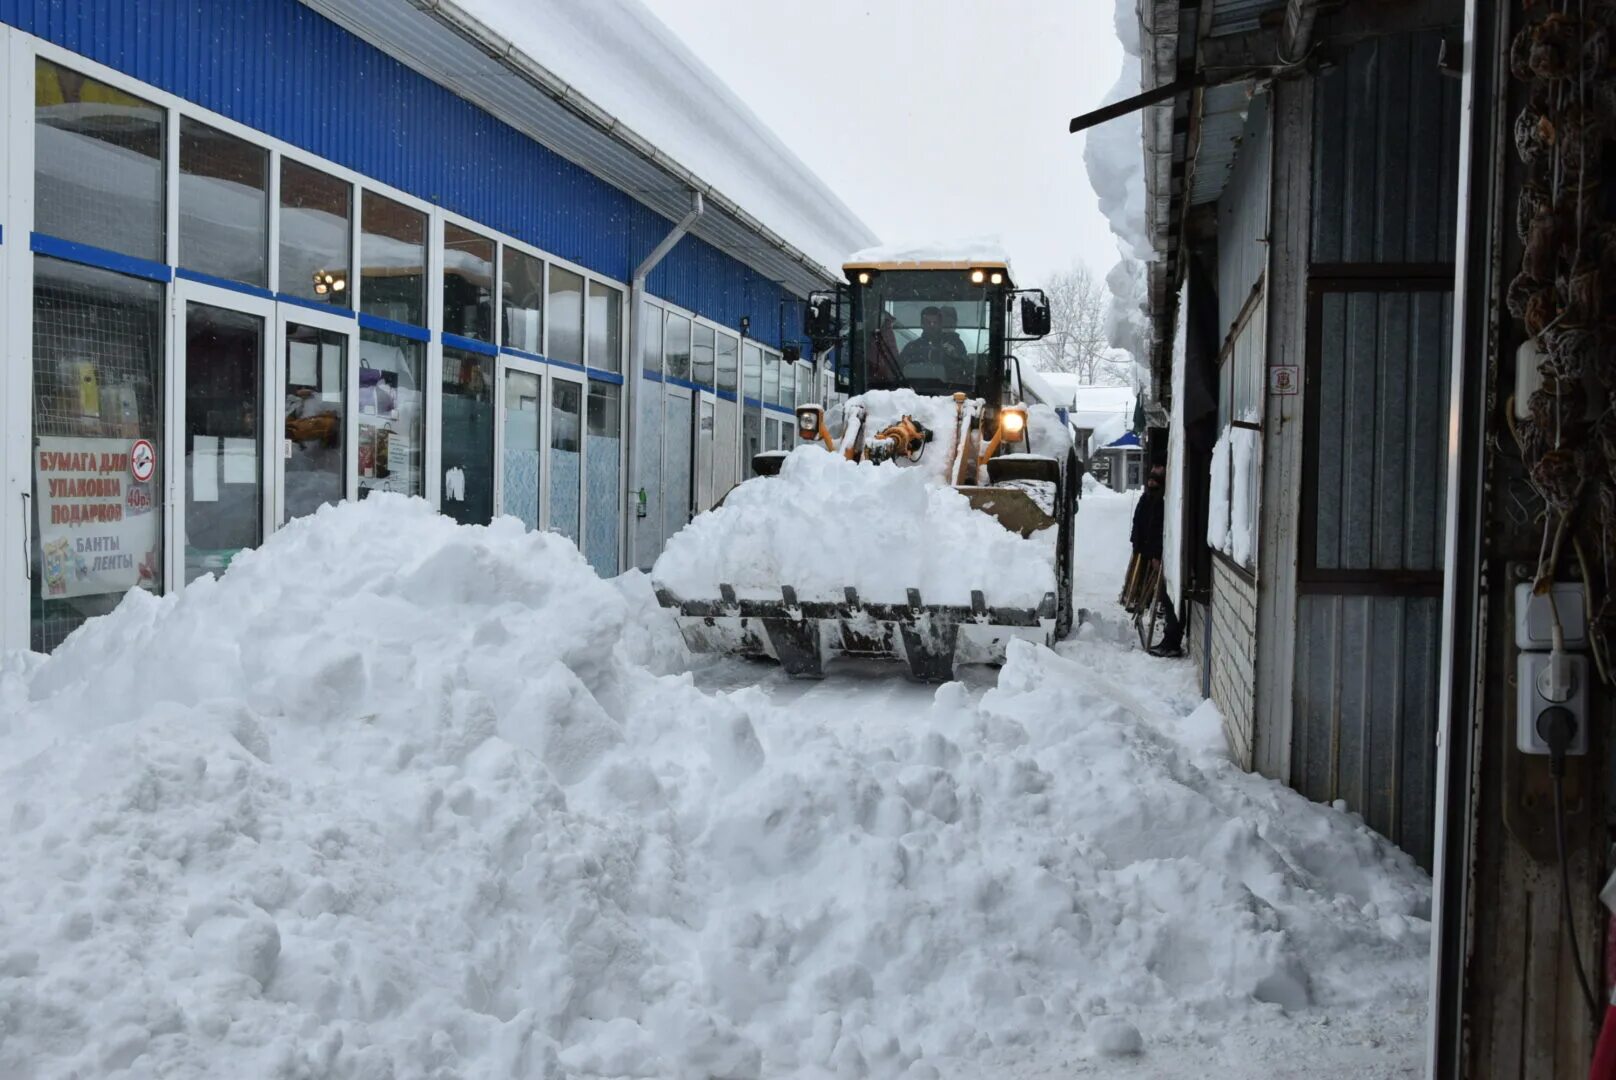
column 607, row 86
column 1216, row 51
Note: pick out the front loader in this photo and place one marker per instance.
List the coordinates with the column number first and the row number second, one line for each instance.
column 931, row 385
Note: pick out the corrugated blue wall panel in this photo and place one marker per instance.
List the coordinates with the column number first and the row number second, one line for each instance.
column 276, row 66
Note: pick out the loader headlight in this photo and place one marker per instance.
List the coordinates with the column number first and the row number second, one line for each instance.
column 996, row 277
column 978, row 277
column 1014, row 424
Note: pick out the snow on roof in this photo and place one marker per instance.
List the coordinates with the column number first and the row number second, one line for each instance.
column 1037, row 385
column 626, row 62
column 971, row 249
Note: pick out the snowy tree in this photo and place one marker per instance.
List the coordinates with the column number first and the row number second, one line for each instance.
column 1078, row 342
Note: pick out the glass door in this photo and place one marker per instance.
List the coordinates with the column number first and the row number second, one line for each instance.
column 706, row 422
column 222, row 373
column 678, row 472
column 521, row 404
column 566, row 460
column 315, row 379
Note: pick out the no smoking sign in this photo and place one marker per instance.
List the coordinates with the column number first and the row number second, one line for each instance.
column 142, row 460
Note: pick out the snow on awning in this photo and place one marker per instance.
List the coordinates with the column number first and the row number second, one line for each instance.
column 607, row 86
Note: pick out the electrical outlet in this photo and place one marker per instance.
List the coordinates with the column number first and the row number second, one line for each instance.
column 1532, row 684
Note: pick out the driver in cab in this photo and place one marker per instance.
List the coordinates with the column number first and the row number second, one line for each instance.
column 935, row 354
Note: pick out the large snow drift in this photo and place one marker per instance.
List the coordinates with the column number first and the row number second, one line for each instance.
column 397, row 798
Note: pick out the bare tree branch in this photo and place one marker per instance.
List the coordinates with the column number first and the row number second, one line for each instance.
column 1077, row 342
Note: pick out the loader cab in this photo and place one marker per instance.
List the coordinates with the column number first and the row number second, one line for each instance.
column 937, row 328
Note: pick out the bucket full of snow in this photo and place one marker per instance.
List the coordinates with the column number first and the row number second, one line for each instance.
column 833, row 557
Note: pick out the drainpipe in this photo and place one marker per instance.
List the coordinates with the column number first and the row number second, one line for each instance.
column 636, row 371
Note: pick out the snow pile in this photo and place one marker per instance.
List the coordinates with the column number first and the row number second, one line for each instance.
column 826, row 523
column 970, row 249
column 1232, row 502
column 1217, row 510
column 397, row 798
column 1113, row 155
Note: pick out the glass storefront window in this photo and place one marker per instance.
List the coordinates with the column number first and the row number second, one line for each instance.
column 223, row 205
column 566, row 456
column 522, row 301
column 771, row 380
column 751, row 438
column 727, row 350
column 605, row 327
column 519, row 479
column 468, row 437
column 315, row 419
column 392, row 432
column 392, row 252
column 651, row 351
column 751, row 371
column 224, row 483
column 788, row 384
column 603, row 452
column 566, row 316
column 678, row 351
column 702, row 354
column 97, row 504
column 316, row 235
column 98, row 164
column 468, row 283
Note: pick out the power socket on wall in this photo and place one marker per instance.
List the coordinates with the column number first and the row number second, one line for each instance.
column 1532, row 699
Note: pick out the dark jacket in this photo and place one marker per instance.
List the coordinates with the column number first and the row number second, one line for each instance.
column 1148, row 518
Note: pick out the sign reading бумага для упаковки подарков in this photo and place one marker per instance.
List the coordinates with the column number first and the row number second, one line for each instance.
column 97, row 522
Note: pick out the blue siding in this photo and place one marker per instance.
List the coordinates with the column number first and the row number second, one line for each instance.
column 276, row 66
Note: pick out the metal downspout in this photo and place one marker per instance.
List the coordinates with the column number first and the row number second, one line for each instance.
column 636, row 372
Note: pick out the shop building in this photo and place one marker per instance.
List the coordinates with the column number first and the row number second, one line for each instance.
column 1302, row 199
column 260, row 257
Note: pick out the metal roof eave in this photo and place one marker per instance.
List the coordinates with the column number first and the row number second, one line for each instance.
column 445, row 44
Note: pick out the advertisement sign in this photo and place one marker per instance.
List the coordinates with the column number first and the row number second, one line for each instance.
column 97, row 515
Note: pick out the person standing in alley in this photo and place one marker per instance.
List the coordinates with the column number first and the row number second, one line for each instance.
column 1149, row 517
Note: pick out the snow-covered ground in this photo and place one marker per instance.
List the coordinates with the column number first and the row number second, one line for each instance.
column 396, row 798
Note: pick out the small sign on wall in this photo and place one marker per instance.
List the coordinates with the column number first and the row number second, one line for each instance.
column 1284, row 379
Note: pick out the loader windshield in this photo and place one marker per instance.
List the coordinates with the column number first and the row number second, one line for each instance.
column 928, row 330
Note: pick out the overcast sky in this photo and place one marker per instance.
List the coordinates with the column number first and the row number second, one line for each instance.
column 932, row 119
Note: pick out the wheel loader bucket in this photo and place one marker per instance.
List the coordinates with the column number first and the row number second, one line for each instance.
column 803, row 634
column 1021, row 507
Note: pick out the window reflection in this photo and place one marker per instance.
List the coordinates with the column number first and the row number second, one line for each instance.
column 393, row 253
column 605, row 327
column 702, row 354
column 223, row 205
column 566, row 316
column 522, row 292
column 468, row 283
column 316, row 235
column 98, row 164
column 678, row 350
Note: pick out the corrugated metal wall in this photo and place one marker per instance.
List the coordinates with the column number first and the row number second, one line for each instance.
column 1243, row 219
column 276, row 66
column 1385, row 141
column 1366, row 710
column 1385, row 154
column 1380, row 485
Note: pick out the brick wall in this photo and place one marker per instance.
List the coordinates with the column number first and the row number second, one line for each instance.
column 1234, row 651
